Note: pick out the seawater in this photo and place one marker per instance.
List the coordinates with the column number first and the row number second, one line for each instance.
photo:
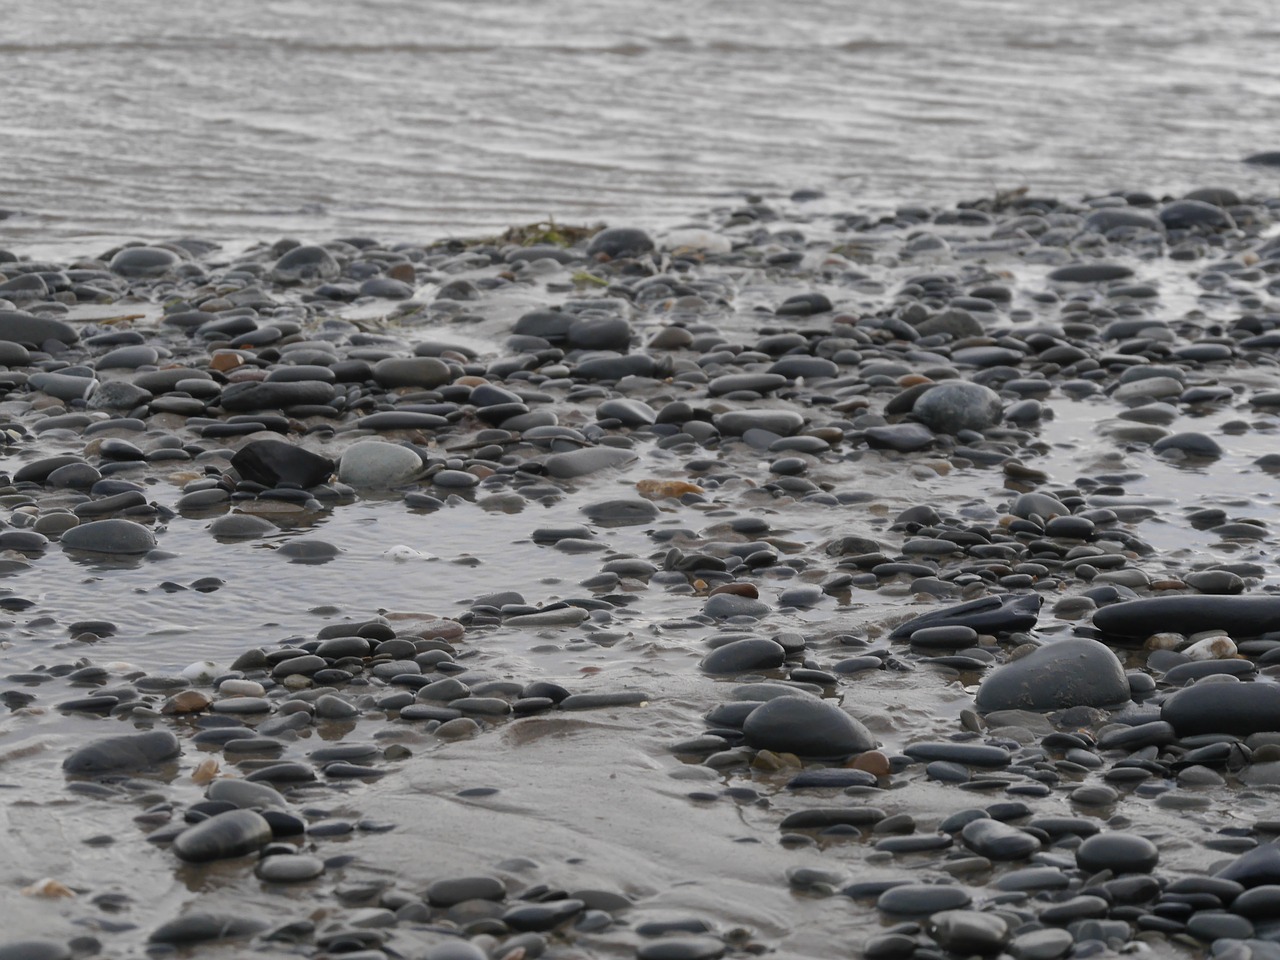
column 414, row 120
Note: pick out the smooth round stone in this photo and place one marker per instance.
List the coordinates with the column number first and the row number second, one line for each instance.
column 375, row 464
column 681, row 948
column 305, row 263
column 1258, row 903
column 902, row 437
column 784, row 423
column 1027, row 505
column 1216, row 925
column 1191, row 443
column 1098, row 272
column 289, row 868
column 449, row 891
column 542, row 916
column 741, row 656
column 423, row 372
column 199, row 927
column 725, row 605
column 810, row 368
column 918, row 899
column 621, row 512
column 143, row 262
column 234, row 833
column 588, row 460
column 998, row 841
column 23, row 328
column 805, row 726
column 1072, row 672
column 954, row 637
column 889, row 946
column 1049, row 944
column 274, row 395
column 34, row 950
column 802, row 597
column 954, row 406
column 968, row 932
column 599, row 333
column 750, row 382
column 969, row 754
column 128, row 752
column 558, row 617
column 1117, row 852
column 244, row 794
column 241, row 526
column 1095, row 795
column 1225, row 706
column 63, row 386
column 616, row 242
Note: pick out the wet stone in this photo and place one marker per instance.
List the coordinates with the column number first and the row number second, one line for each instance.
column 917, row 900
column 1064, row 673
column 681, row 948
column 1117, row 852
column 112, row 537
column 968, row 932
column 998, row 841
column 126, row 753
column 805, row 726
column 234, row 833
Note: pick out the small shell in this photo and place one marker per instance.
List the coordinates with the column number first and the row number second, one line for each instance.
column 1212, row 648
column 206, row 770
column 48, row 887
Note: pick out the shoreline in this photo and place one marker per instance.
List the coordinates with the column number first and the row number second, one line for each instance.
column 605, row 558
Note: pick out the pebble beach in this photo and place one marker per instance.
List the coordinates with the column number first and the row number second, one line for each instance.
column 790, row 581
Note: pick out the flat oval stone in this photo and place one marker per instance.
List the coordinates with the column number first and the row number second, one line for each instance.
column 448, row 891
column 1240, row 616
column 589, row 460
column 782, row 422
column 423, row 372
column 111, row 537
column 1225, row 706
column 681, row 948
column 919, row 899
column 969, row 754
column 129, row 752
column 34, row 950
column 741, row 656
column 807, row 727
column 201, row 927
column 998, row 841
column 621, row 512
column 19, row 327
column 1117, row 852
column 234, row 833
column 1071, row 672
column 289, row 868
column 725, row 605
column 143, row 262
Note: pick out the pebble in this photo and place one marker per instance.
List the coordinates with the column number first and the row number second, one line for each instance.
column 806, row 726
column 234, row 833
column 1066, row 673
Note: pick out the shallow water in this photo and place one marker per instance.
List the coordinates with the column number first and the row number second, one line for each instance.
column 408, row 121
column 411, row 120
